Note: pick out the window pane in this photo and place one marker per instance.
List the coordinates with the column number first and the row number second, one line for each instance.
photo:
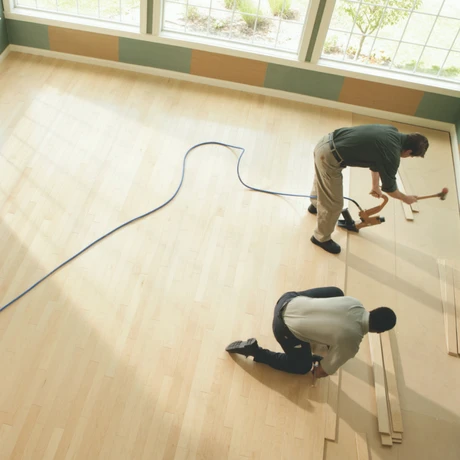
column 451, row 8
column 394, row 33
column 418, row 28
column 407, row 56
column 289, row 36
column 457, row 43
column 341, row 20
column 120, row 11
column 444, row 33
column 431, row 61
column 67, row 6
column 174, row 14
column 220, row 24
column 393, row 23
column 272, row 24
column 451, row 67
column 382, row 53
column 334, row 46
column 430, row 6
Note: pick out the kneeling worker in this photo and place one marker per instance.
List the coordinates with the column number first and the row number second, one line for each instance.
column 322, row 316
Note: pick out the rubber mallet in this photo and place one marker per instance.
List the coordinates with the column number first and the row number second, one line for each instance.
column 442, row 195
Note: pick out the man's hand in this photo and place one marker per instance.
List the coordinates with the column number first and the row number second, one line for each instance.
column 318, row 372
column 376, row 192
column 409, row 199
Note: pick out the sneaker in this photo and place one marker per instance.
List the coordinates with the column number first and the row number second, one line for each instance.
column 312, row 209
column 243, row 347
column 329, row 245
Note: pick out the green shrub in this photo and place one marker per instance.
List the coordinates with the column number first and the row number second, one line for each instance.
column 193, row 14
column 249, row 14
column 229, row 4
column 277, row 8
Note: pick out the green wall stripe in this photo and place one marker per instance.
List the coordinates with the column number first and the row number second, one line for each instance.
column 314, row 34
column 3, row 33
column 155, row 55
column 294, row 80
column 28, row 34
column 439, row 107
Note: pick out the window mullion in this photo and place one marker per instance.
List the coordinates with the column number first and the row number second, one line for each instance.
column 322, row 31
column 143, row 19
column 157, row 17
column 307, row 31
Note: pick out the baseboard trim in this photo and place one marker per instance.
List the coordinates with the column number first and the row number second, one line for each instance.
column 5, row 53
column 400, row 118
column 390, row 116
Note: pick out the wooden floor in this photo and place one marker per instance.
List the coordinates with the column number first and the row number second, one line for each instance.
column 120, row 355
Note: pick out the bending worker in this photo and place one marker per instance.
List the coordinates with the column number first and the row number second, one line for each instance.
column 377, row 147
column 322, row 316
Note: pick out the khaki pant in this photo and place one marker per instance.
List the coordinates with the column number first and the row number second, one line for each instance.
column 328, row 186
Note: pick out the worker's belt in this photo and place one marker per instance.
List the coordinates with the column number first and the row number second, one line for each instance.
column 335, row 152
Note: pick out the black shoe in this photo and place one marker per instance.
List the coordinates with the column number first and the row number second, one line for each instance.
column 312, row 209
column 243, row 347
column 329, row 246
column 316, row 358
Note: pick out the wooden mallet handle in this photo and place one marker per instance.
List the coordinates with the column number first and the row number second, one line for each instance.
column 442, row 194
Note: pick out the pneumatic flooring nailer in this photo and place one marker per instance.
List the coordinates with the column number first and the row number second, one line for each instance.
column 366, row 215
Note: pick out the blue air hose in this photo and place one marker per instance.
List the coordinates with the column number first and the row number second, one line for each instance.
column 158, row 208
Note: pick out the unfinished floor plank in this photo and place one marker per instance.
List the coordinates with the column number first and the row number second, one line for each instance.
column 386, row 439
column 332, row 406
column 362, row 449
column 456, row 272
column 124, row 376
column 406, row 207
column 392, row 386
column 446, row 280
column 405, row 183
column 379, row 384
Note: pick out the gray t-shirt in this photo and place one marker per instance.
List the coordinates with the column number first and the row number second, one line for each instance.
column 339, row 322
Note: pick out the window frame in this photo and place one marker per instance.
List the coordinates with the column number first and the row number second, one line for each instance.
column 281, row 58
column 381, row 70
column 305, row 39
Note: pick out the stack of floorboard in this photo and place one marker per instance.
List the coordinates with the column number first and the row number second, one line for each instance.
column 389, row 417
column 449, row 278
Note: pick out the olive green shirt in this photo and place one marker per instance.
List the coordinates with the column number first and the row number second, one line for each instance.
column 377, row 147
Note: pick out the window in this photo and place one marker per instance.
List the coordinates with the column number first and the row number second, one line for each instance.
column 419, row 37
column 120, row 11
column 272, row 24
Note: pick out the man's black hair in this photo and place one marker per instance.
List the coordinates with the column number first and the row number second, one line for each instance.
column 382, row 319
column 416, row 142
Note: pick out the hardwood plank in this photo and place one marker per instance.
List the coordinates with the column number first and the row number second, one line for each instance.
column 456, row 273
column 362, row 449
column 379, row 384
column 386, row 439
column 123, row 350
column 406, row 207
column 446, row 280
column 392, row 387
column 332, row 406
column 408, row 187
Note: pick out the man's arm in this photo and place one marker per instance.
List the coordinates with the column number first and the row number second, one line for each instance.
column 376, row 190
column 338, row 355
column 408, row 199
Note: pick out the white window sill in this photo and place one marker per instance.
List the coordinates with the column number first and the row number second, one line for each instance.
column 68, row 20
column 390, row 78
